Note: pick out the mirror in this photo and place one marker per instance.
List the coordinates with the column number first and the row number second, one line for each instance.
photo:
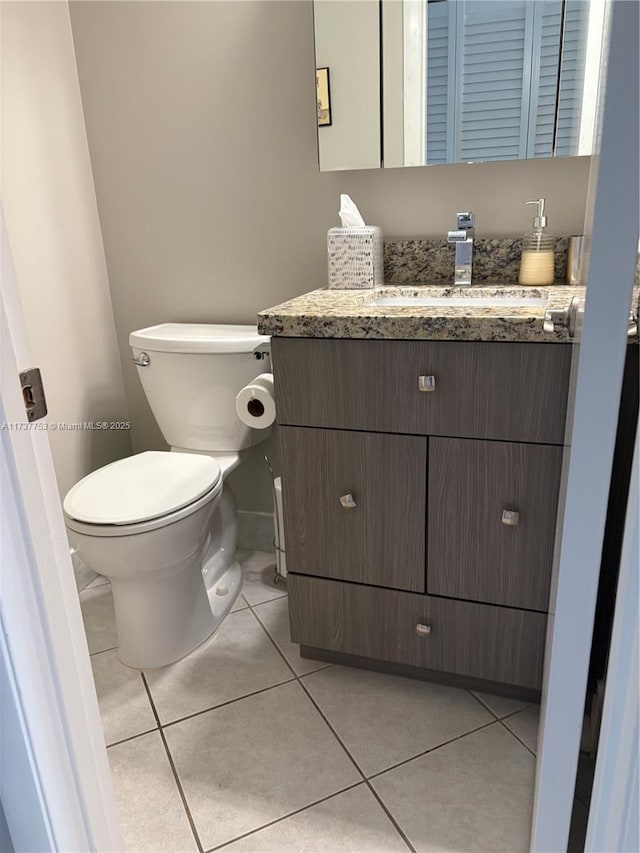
column 421, row 82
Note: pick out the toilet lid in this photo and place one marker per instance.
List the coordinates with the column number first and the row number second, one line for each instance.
column 141, row 487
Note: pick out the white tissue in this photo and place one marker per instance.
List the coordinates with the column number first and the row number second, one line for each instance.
column 349, row 213
column 255, row 403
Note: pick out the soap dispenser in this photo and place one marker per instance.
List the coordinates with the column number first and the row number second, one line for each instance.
column 537, row 263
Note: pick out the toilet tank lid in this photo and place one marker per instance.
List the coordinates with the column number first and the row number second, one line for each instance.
column 141, row 487
column 197, row 338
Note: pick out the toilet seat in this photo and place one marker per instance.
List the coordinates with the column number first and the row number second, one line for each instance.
column 148, row 487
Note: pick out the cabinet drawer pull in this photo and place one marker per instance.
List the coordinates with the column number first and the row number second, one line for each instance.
column 510, row 517
column 423, row 630
column 426, row 383
column 348, row 501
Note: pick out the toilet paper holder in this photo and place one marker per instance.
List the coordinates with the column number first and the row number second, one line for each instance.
column 279, row 526
column 262, row 351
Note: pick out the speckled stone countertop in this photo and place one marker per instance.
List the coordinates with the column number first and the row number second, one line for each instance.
column 328, row 313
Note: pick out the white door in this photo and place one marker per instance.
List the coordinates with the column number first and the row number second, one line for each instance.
column 596, row 395
column 55, row 786
column 614, row 817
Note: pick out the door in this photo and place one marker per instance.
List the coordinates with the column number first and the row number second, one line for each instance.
column 596, row 392
column 356, row 503
column 492, row 507
column 55, row 784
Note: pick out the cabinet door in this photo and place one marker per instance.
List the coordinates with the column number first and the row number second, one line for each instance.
column 473, row 551
column 377, row 537
column 476, row 640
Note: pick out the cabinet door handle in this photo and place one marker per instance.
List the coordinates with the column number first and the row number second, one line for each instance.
column 510, row 517
column 426, row 383
column 348, row 501
column 423, row 630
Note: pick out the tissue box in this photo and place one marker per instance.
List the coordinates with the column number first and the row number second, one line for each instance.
column 355, row 257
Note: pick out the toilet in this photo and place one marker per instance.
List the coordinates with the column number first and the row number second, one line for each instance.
column 162, row 525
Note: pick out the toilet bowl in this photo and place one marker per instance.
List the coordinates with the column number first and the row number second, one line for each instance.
column 170, row 561
column 162, row 526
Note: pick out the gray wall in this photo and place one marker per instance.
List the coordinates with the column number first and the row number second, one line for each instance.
column 201, row 126
column 52, row 219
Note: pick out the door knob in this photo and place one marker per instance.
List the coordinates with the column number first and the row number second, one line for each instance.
column 426, row 383
column 348, row 501
column 510, row 517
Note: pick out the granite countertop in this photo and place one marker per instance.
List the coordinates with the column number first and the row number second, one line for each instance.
column 328, row 313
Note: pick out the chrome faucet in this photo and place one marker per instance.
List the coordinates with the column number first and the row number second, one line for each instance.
column 463, row 238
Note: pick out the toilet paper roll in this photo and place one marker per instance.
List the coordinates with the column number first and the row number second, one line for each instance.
column 255, row 403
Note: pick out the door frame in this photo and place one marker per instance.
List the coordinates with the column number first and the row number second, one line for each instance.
column 592, row 431
column 55, row 783
column 614, row 818
column 40, row 610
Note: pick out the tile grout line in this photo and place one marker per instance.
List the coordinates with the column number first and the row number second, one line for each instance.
column 364, row 779
column 200, row 713
column 176, row 778
column 277, row 647
column 161, row 725
column 367, row 780
column 298, row 677
column 224, row 704
column 102, row 651
column 284, row 817
column 390, row 817
column 386, row 810
column 520, row 741
column 433, row 749
column 497, row 716
column 333, row 731
column 484, row 704
column 508, row 717
column 131, row 737
column 394, row 822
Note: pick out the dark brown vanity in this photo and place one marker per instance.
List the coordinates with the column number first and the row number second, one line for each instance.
column 420, row 487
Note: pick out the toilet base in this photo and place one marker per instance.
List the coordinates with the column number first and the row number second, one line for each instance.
column 224, row 593
column 205, row 615
column 189, row 603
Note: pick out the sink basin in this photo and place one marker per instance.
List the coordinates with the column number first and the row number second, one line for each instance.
column 460, row 301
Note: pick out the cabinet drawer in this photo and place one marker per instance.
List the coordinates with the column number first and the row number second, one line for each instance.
column 476, row 640
column 510, row 391
column 472, row 553
column 380, row 540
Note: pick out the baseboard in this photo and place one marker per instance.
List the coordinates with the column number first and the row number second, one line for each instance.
column 255, row 530
column 511, row 691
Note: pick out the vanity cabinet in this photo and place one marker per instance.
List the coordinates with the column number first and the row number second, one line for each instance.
column 492, row 515
column 497, row 644
column 356, row 504
column 507, row 391
column 420, row 490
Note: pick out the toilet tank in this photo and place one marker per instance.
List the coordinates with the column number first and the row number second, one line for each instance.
column 191, row 375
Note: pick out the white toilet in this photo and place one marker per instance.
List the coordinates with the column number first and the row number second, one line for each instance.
column 161, row 525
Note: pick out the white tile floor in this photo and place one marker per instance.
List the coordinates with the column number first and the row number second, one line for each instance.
column 246, row 746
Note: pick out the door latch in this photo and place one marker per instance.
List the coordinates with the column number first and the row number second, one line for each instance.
column 33, row 393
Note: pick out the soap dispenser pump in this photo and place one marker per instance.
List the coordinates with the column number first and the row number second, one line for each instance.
column 537, row 263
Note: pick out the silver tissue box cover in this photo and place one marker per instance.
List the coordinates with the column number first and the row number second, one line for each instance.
column 355, row 257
